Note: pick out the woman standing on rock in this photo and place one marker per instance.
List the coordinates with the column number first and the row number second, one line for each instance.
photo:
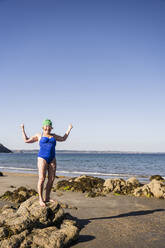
column 46, row 156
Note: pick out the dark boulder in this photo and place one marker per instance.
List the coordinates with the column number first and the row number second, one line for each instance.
column 157, row 177
column 82, row 184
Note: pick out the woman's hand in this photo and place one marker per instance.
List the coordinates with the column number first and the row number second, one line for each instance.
column 22, row 126
column 70, row 127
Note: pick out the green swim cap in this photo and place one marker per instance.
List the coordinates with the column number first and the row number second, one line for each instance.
column 47, row 122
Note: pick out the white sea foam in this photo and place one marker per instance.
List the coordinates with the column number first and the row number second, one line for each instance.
column 75, row 172
column 100, row 174
column 17, row 169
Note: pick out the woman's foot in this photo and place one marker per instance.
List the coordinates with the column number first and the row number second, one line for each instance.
column 42, row 204
column 50, row 200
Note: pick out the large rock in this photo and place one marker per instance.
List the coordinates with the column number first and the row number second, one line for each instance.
column 82, row 184
column 13, row 241
column 153, row 189
column 114, row 185
column 157, row 188
column 34, row 226
column 4, row 149
column 120, row 186
column 133, row 181
column 43, row 216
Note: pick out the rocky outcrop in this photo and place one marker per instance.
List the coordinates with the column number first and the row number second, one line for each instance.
column 84, row 184
column 19, row 195
column 94, row 186
column 155, row 188
column 120, row 186
column 34, row 226
column 4, row 149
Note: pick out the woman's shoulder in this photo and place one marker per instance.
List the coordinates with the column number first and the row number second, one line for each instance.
column 38, row 134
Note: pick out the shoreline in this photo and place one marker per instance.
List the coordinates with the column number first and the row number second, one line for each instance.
column 67, row 174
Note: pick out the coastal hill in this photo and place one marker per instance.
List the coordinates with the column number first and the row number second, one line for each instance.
column 4, row 149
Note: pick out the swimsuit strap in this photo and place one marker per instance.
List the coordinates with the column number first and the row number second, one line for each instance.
column 41, row 135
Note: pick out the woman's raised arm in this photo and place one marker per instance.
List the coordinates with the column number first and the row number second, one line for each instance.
column 26, row 139
column 63, row 138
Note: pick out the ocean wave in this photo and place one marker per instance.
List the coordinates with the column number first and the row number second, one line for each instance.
column 16, row 168
column 101, row 174
column 125, row 175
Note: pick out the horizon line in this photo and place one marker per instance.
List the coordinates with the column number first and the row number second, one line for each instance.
column 98, row 151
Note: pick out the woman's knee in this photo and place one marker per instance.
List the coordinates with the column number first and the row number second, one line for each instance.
column 41, row 180
column 51, row 179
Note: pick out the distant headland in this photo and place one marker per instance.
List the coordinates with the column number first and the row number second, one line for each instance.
column 4, row 149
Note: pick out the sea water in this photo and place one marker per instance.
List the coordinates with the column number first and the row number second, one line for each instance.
column 104, row 165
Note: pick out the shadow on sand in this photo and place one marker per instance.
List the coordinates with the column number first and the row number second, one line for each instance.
column 83, row 222
column 82, row 239
column 135, row 213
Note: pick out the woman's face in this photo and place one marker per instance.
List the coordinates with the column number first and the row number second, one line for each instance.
column 47, row 129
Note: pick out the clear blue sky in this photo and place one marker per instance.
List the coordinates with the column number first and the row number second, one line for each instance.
column 98, row 64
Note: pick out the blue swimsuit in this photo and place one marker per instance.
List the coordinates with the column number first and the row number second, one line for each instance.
column 47, row 148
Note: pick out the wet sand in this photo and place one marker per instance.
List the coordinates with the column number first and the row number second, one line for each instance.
column 111, row 221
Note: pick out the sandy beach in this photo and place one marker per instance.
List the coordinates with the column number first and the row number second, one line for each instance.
column 111, row 221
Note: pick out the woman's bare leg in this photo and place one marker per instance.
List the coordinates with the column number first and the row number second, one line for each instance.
column 51, row 177
column 42, row 167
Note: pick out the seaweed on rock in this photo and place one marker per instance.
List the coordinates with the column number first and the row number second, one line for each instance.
column 19, row 195
column 31, row 225
column 84, row 184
